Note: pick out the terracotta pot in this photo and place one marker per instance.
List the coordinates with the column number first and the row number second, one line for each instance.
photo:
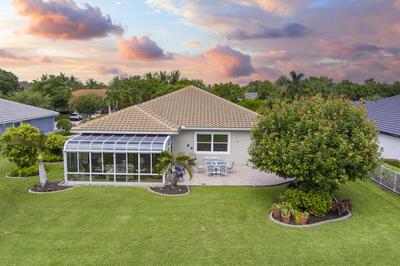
column 286, row 218
column 276, row 213
column 304, row 219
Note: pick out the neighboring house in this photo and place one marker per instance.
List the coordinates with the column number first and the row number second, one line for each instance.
column 12, row 114
column 98, row 92
column 123, row 146
column 250, row 95
column 386, row 113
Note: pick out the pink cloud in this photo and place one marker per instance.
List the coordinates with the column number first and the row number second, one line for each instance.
column 64, row 19
column 231, row 63
column 4, row 54
column 194, row 43
column 141, row 48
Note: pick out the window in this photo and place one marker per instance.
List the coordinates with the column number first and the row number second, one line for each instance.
column 108, row 160
column 84, row 162
column 212, row 142
column 120, row 162
column 72, row 162
column 97, row 163
column 132, row 163
column 145, row 163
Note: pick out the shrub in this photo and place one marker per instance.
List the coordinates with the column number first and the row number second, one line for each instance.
column 55, row 143
column 392, row 162
column 322, row 143
column 65, row 125
column 25, row 171
column 317, row 203
column 48, row 157
column 19, row 145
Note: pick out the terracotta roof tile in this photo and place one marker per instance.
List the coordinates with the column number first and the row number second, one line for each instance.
column 189, row 107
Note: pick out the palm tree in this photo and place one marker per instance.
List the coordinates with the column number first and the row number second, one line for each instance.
column 167, row 165
column 296, row 78
column 293, row 87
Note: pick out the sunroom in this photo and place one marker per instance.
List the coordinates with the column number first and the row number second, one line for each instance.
column 118, row 159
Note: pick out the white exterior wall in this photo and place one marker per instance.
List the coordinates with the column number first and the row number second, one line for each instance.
column 238, row 151
column 390, row 146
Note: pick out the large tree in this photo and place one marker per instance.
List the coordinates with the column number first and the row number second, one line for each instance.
column 230, row 91
column 320, row 142
column 34, row 98
column 8, row 83
column 87, row 104
column 58, row 88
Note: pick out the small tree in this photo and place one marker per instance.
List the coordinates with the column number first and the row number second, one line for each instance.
column 53, row 147
column 321, row 143
column 65, row 125
column 167, row 162
column 18, row 145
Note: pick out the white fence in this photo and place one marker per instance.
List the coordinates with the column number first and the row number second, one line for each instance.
column 387, row 178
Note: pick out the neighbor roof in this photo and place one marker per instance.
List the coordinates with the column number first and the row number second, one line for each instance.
column 81, row 92
column 187, row 108
column 386, row 113
column 17, row 112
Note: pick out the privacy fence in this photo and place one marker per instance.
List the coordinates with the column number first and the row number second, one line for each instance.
column 388, row 178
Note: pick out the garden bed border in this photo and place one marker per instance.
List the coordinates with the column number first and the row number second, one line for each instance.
column 61, row 183
column 170, row 195
column 347, row 216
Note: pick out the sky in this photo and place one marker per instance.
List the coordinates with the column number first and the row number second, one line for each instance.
column 217, row 41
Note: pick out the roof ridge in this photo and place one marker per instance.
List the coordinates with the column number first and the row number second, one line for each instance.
column 231, row 103
column 165, row 95
column 155, row 118
column 31, row 106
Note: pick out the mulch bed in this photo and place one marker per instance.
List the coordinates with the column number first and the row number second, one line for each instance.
column 178, row 190
column 50, row 187
column 331, row 215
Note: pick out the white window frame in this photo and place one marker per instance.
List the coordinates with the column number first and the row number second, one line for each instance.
column 212, row 133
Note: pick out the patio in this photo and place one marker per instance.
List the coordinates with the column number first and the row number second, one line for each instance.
column 242, row 175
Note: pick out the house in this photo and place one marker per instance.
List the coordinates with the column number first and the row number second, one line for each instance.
column 12, row 114
column 122, row 148
column 250, row 95
column 386, row 113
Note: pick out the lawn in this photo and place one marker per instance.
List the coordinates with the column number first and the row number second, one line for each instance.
column 212, row 225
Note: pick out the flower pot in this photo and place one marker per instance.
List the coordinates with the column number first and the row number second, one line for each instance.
column 286, row 218
column 276, row 213
column 304, row 219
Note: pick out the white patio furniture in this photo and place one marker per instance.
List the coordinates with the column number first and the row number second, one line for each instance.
column 222, row 169
column 199, row 168
column 210, row 169
column 229, row 167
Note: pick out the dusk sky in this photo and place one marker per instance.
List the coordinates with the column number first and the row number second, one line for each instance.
column 217, row 41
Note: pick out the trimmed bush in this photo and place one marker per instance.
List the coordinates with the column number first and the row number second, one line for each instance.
column 25, row 171
column 317, row 203
column 53, row 148
column 65, row 125
column 19, row 145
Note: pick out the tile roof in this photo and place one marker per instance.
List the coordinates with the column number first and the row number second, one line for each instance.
column 189, row 107
column 17, row 112
column 81, row 92
column 386, row 113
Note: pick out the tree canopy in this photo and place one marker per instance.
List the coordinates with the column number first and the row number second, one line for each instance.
column 320, row 142
column 8, row 83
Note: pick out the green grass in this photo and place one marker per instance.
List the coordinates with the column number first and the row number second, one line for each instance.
column 212, row 225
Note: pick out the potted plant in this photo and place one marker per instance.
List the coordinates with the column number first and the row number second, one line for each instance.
column 301, row 217
column 285, row 214
column 276, row 210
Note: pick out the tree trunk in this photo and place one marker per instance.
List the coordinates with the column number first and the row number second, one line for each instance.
column 173, row 179
column 42, row 174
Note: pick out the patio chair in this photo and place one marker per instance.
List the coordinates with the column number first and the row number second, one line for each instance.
column 222, row 169
column 229, row 167
column 210, row 170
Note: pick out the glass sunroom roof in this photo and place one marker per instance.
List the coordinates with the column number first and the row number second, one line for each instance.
column 117, row 143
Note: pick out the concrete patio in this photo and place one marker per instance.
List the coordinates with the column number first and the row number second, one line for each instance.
column 242, row 175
